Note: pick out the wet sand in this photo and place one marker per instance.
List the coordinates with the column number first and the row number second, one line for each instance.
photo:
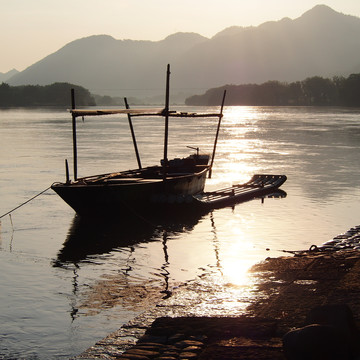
column 194, row 324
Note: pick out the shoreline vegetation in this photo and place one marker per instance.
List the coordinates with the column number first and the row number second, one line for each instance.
column 57, row 94
column 313, row 91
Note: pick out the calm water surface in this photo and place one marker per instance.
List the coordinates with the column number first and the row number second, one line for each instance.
column 65, row 283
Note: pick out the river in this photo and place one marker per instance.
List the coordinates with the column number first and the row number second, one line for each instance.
column 66, row 283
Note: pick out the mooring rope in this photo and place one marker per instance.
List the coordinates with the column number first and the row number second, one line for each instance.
column 27, row 201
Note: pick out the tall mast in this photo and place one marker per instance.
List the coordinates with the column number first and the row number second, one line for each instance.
column 166, row 113
column 74, row 133
column 133, row 134
column 217, row 133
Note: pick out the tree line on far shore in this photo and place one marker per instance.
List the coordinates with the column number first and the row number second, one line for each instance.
column 313, row 91
column 57, row 94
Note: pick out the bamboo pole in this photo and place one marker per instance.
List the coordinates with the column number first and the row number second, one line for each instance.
column 67, row 172
column 74, row 133
column 217, row 133
column 166, row 113
column 133, row 135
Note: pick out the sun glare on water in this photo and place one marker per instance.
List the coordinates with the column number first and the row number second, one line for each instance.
column 234, row 265
column 239, row 151
column 238, row 148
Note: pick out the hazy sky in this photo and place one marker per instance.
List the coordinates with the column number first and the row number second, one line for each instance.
column 33, row 29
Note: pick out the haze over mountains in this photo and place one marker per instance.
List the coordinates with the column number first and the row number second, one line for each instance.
column 322, row 42
column 4, row 77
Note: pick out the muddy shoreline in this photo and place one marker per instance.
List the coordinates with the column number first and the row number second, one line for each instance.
column 191, row 323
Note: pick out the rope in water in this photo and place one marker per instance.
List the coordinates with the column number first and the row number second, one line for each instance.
column 27, row 201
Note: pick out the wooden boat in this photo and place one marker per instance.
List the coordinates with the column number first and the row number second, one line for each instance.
column 142, row 189
column 258, row 186
column 175, row 183
column 135, row 190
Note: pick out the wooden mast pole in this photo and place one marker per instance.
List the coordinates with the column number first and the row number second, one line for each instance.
column 133, row 135
column 217, row 133
column 74, row 133
column 166, row 113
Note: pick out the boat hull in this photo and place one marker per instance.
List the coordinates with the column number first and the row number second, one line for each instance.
column 131, row 196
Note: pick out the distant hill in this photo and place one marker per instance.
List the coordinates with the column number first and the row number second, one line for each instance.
column 6, row 76
column 111, row 67
column 321, row 42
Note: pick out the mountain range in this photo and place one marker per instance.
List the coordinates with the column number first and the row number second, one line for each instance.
column 4, row 77
column 321, row 42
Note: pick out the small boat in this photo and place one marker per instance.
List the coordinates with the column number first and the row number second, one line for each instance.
column 177, row 183
column 142, row 189
column 258, row 186
column 134, row 191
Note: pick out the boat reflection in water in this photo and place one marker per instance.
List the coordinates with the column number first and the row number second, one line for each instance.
column 128, row 282
column 131, row 283
column 91, row 236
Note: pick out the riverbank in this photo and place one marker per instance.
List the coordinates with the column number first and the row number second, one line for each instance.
column 190, row 325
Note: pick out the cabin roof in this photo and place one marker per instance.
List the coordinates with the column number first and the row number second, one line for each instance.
column 139, row 112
